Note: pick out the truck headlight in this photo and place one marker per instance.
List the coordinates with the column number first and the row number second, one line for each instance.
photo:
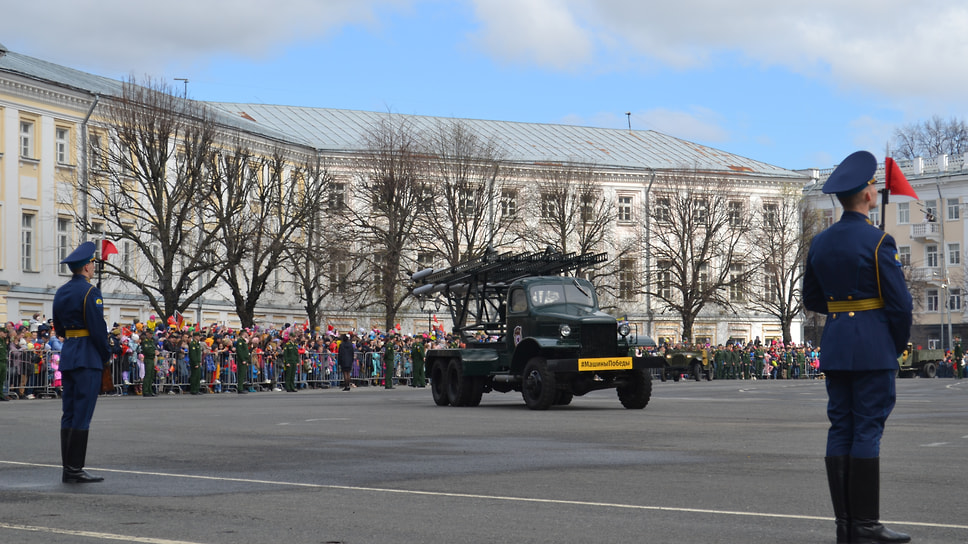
column 564, row 329
column 624, row 329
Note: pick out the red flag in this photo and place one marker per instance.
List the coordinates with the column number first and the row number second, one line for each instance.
column 895, row 181
column 179, row 320
column 108, row 248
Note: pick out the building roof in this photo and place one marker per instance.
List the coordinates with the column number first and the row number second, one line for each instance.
column 338, row 130
column 345, row 130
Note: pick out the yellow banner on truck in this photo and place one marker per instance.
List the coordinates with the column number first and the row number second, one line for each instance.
column 605, row 363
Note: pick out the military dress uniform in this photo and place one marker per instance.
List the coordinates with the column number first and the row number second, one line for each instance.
column 417, row 362
column 79, row 317
column 242, row 359
column 149, row 350
column 853, row 275
column 195, row 365
column 388, row 360
column 290, row 360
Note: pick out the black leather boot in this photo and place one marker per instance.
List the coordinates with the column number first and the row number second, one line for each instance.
column 837, row 481
column 76, row 454
column 864, row 488
column 65, row 440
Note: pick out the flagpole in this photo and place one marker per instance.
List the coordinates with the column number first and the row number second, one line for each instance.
column 884, row 194
column 100, row 261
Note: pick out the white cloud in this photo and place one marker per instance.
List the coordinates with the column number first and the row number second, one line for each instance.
column 896, row 47
column 132, row 35
column 544, row 32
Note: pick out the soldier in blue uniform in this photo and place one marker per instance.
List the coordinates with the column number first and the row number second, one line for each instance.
column 853, row 275
column 79, row 317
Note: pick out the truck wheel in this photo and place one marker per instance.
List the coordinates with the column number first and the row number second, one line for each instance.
column 462, row 390
column 637, row 390
column 563, row 398
column 709, row 375
column 663, row 375
column 929, row 370
column 696, row 372
column 438, row 384
column 538, row 385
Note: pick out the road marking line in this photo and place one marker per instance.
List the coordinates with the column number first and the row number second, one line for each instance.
column 487, row 497
column 91, row 534
column 934, row 444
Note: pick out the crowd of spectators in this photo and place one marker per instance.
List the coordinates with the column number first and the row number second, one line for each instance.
column 32, row 353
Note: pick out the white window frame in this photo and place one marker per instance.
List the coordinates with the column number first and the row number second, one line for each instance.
column 904, row 255
column 903, row 213
column 954, row 210
column 624, row 208
column 931, row 256
column 28, row 241
column 954, row 299
column 65, row 243
column 62, row 145
column 27, row 139
column 954, row 254
column 931, row 300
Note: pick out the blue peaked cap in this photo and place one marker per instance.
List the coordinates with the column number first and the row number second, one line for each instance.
column 80, row 256
column 852, row 175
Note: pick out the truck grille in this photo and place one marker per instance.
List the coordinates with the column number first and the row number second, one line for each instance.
column 598, row 340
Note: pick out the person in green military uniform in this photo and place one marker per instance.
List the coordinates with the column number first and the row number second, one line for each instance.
column 801, row 357
column 4, row 339
column 760, row 362
column 290, row 360
column 195, row 364
column 242, row 359
column 389, row 356
column 417, row 351
column 148, row 350
column 719, row 361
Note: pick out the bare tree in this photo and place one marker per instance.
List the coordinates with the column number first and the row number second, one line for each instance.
column 931, row 138
column 459, row 212
column 574, row 212
column 700, row 248
column 781, row 234
column 388, row 193
column 151, row 189
column 322, row 262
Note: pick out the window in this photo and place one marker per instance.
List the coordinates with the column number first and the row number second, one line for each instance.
column 664, row 280
column 337, row 196
column 509, row 202
column 586, row 207
column 771, row 214
column 931, row 255
column 954, row 254
column 703, row 278
column 625, row 208
column 96, row 159
column 931, row 300
column 63, row 145
column 626, row 279
column 425, row 260
column 549, row 206
column 126, row 253
column 875, row 216
column 930, row 210
column 702, row 210
column 735, row 213
column 64, row 243
column 770, row 293
column 827, row 218
column 903, row 213
column 954, row 300
column 27, row 242
column 27, row 139
column 338, row 276
column 663, row 209
column 904, row 254
column 736, row 291
column 466, row 201
column 954, row 210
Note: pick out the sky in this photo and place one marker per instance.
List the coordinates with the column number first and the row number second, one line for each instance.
column 796, row 84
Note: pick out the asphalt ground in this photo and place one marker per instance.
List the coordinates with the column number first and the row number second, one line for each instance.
column 723, row 462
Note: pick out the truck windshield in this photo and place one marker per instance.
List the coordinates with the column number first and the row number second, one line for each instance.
column 557, row 293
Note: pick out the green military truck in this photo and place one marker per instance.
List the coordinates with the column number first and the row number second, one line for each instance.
column 919, row 362
column 525, row 328
column 694, row 362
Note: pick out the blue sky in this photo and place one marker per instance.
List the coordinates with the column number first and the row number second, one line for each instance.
column 796, row 84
